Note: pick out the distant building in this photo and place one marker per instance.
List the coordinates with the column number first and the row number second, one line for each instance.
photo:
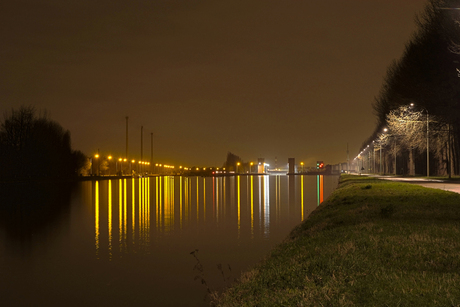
column 291, row 163
column 261, row 166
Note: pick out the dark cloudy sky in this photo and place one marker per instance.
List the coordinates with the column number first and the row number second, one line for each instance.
column 258, row 78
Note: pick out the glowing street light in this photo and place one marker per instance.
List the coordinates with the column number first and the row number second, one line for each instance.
column 427, row 142
column 97, row 160
column 109, row 158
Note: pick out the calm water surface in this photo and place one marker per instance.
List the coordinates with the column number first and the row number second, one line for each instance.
column 128, row 242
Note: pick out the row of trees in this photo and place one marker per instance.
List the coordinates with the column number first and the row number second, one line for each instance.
column 424, row 85
column 33, row 146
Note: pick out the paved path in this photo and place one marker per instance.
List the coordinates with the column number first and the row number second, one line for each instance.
column 424, row 182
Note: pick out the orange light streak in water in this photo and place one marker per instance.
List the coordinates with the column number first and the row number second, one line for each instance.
column 120, row 214
column 197, row 200
column 96, row 218
column 301, row 197
column 140, row 225
column 239, row 205
column 252, row 206
column 133, row 206
column 110, row 218
column 125, row 219
column 180, row 201
column 204, row 199
column 157, row 214
column 321, row 188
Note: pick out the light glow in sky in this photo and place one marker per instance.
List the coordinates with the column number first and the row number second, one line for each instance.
column 256, row 78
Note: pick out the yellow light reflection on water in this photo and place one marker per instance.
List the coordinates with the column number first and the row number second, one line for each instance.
column 266, row 205
column 161, row 202
column 197, row 200
column 96, row 217
column 239, row 205
column 204, row 199
column 109, row 205
column 134, row 232
column 278, row 196
column 180, row 201
column 186, row 199
column 259, row 178
column 133, row 207
column 125, row 218
column 148, row 210
column 168, row 203
column 301, row 197
column 120, row 213
column 157, row 211
column 252, row 206
column 215, row 207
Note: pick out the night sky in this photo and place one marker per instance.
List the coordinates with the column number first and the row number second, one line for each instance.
column 257, row 78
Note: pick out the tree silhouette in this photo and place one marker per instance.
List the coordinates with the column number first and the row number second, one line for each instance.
column 34, row 146
column 428, row 75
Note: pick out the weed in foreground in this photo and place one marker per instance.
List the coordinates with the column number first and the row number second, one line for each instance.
column 227, row 278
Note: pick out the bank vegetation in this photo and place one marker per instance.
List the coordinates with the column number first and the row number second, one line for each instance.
column 33, row 146
column 419, row 102
column 371, row 243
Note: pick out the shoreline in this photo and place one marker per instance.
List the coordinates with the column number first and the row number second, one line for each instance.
column 372, row 242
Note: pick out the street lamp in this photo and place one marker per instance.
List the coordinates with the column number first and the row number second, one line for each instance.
column 384, row 130
column 427, row 141
column 368, row 159
column 97, row 169
column 301, row 163
column 237, row 164
column 250, row 167
column 109, row 158
column 373, row 149
column 116, row 166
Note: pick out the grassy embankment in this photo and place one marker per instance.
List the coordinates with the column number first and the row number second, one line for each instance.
column 371, row 243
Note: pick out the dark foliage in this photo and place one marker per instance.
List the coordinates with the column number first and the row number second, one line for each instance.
column 428, row 73
column 34, row 146
column 232, row 160
column 29, row 210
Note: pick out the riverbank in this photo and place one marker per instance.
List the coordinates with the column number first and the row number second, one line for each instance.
column 371, row 243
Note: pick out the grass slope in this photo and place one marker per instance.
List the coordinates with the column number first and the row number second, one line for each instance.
column 371, row 243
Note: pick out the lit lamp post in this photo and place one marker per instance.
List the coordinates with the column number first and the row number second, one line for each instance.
column 427, row 145
column 394, row 151
column 110, row 159
column 116, row 166
column 373, row 150
column 301, row 164
column 384, row 130
column 237, row 165
column 97, row 168
column 250, row 167
column 368, row 159
column 427, row 141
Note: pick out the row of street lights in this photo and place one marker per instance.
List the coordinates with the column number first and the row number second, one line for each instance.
column 385, row 130
column 159, row 167
column 121, row 161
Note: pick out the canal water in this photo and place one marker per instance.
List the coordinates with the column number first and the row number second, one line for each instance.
column 158, row 241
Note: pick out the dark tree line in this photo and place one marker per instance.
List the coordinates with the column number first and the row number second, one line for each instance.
column 428, row 76
column 33, row 146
